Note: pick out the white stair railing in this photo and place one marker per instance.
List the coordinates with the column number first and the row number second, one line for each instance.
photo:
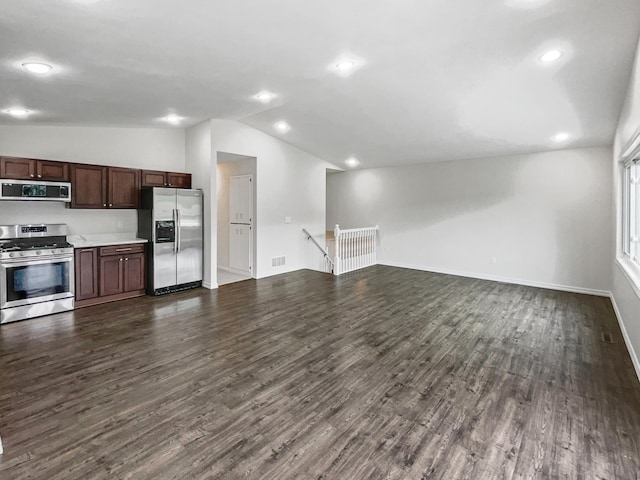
column 355, row 248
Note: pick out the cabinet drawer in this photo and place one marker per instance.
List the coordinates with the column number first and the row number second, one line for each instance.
column 121, row 249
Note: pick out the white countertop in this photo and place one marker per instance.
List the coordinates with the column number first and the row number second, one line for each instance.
column 103, row 239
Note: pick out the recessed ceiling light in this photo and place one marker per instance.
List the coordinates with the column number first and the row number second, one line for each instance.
column 345, row 65
column 352, row 162
column 173, row 119
column 18, row 112
column 282, row 126
column 550, row 56
column 265, row 97
column 37, row 67
column 561, row 137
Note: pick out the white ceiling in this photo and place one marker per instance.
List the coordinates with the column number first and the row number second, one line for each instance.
column 436, row 80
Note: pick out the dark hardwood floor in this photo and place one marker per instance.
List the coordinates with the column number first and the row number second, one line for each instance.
column 385, row 373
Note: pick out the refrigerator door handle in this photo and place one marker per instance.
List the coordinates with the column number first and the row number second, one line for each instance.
column 178, row 230
column 175, row 230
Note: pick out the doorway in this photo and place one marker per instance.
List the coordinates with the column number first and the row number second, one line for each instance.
column 236, row 217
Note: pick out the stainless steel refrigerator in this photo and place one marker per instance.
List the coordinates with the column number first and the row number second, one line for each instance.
column 171, row 219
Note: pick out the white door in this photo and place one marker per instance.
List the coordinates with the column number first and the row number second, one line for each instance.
column 240, row 240
column 241, row 199
column 241, row 220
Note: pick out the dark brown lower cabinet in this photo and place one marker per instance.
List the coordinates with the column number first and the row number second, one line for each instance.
column 105, row 274
column 111, row 276
column 86, row 269
column 134, row 272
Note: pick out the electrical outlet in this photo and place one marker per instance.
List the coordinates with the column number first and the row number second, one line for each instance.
column 120, row 225
column 493, row 260
column 287, row 219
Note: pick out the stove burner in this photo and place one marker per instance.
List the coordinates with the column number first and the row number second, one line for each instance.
column 39, row 245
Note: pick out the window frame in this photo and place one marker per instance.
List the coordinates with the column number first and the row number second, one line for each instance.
column 628, row 248
column 631, row 210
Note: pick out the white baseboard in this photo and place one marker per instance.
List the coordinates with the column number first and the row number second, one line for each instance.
column 625, row 335
column 495, row 278
column 235, row 271
column 210, row 285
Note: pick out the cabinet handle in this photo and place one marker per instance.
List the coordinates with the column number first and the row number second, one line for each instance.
column 104, row 204
column 111, row 204
column 39, row 176
column 120, row 259
column 32, row 175
column 127, row 259
column 169, row 184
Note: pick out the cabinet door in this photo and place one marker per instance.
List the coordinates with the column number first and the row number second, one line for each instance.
column 111, row 275
column 86, row 265
column 179, row 180
column 52, row 171
column 240, row 248
column 241, row 199
column 17, row 168
column 134, row 272
column 153, row 178
column 124, row 188
column 88, row 186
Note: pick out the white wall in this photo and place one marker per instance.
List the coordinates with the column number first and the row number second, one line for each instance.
column 198, row 160
column 545, row 217
column 150, row 148
column 290, row 183
column 244, row 166
column 626, row 297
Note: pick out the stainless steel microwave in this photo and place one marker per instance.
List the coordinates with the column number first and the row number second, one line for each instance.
column 30, row 190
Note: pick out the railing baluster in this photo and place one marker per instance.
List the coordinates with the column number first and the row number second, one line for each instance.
column 354, row 249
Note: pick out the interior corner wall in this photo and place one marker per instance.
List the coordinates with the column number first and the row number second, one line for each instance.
column 625, row 297
column 145, row 148
column 544, row 217
column 290, row 183
column 199, row 159
column 225, row 171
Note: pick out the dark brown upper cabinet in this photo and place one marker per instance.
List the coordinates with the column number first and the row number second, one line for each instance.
column 124, row 188
column 94, row 186
column 88, row 186
column 179, row 180
column 30, row 168
column 155, row 178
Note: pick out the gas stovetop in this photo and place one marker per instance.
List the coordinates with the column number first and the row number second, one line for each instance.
column 32, row 241
column 21, row 251
column 23, row 246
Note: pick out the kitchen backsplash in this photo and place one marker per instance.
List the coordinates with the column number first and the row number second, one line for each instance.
column 79, row 221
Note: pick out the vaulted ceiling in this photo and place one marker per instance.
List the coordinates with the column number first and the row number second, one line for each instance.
column 431, row 80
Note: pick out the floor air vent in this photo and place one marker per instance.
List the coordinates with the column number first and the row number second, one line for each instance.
column 277, row 261
column 606, row 337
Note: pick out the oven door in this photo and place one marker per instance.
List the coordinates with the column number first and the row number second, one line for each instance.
column 25, row 282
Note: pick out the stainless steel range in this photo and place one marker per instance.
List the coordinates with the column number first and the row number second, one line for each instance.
column 36, row 271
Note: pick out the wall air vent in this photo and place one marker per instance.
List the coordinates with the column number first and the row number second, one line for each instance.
column 277, row 261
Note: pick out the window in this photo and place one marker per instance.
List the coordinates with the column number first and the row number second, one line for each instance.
column 631, row 211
